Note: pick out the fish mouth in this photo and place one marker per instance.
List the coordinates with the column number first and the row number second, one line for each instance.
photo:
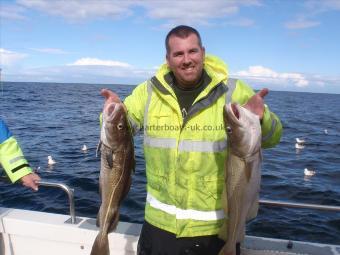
column 235, row 110
column 112, row 110
column 232, row 114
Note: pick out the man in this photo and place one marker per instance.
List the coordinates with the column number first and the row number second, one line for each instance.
column 13, row 160
column 180, row 110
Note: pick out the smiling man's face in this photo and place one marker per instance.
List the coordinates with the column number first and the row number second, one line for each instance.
column 185, row 58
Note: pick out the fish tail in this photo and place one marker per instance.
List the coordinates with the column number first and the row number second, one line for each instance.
column 101, row 245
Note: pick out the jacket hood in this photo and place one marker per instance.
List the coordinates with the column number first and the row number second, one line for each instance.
column 214, row 66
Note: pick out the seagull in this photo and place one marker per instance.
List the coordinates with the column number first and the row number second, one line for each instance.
column 326, row 131
column 84, row 148
column 50, row 160
column 309, row 172
column 299, row 146
column 300, row 141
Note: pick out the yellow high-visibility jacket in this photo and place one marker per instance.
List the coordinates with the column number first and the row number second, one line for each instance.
column 185, row 156
column 11, row 157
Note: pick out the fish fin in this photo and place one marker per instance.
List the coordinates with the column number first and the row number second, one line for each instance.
column 252, row 213
column 225, row 250
column 224, row 199
column 100, row 207
column 98, row 219
column 115, row 221
column 126, row 188
column 99, row 145
column 133, row 157
column 250, row 164
column 223, row 232
column 101, row 245
column 134, row 165
column 109, row 159
column 248, row 171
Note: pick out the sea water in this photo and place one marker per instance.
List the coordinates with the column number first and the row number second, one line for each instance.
column 58, row 119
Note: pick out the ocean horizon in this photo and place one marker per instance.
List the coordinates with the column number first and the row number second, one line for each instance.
column 122, row 84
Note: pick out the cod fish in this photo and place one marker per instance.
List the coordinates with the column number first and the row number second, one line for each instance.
column 117, row 164
column 240, row 196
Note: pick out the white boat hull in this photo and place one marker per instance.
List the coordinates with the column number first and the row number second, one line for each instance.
column 24, row 232
column 30, row 232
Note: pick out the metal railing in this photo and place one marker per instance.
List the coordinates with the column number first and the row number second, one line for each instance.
column 265, row 202
column 68, row 191
column 70, row 195
column 299, row 205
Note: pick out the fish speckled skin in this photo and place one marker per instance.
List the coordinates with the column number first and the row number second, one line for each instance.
column 243, row 173
column 117, row 163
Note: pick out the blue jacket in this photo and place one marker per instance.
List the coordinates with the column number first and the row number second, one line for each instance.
column 11, row 157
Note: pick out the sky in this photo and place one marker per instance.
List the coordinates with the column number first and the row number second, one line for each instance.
column 284, row 45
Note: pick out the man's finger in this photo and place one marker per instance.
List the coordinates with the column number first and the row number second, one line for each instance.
column 263, row 92
column 35, row 187
column 108, row 94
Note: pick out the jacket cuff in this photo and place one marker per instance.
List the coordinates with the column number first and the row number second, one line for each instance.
column 20, row 173
column 271, row 129
column 13, row 160
column 266, row 122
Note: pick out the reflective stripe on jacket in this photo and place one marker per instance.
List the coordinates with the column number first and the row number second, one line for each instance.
column 185, row 157
column 11, row 156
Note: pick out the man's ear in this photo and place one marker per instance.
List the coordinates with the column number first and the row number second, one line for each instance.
column 167, row 58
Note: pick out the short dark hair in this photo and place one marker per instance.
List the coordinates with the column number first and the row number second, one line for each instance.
column 182, row 31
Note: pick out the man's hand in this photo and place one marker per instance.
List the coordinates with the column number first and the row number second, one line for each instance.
column 31, row 181
column 256, row 103
column 110, row 97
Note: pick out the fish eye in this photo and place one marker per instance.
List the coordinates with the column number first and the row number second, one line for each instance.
column 120, row 126
column 229, row 130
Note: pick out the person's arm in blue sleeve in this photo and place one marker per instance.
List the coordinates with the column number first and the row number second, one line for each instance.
column 13, row 161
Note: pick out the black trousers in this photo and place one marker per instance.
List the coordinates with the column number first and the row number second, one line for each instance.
column 155, row 241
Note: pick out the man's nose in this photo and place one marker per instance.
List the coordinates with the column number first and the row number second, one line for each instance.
column 187, row 59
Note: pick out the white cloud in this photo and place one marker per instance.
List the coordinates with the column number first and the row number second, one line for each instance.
column 266, row 75
column 11, row 12
column 301, row 24
column 80, row 9
column 317, row 6
column 8, row 57
column 189, row 11
column 50, row 50
column 99, row 62
column 80, row 74
column 242, row 22
column 258, row 76
column 312, row 9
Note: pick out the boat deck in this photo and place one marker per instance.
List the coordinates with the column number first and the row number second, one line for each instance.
column 25, row 232
column 267, row 246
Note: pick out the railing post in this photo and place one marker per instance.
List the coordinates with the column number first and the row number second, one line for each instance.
column 64, row 187
column 70, row 194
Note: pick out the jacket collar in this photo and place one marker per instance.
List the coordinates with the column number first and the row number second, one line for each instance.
column 215, row 76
